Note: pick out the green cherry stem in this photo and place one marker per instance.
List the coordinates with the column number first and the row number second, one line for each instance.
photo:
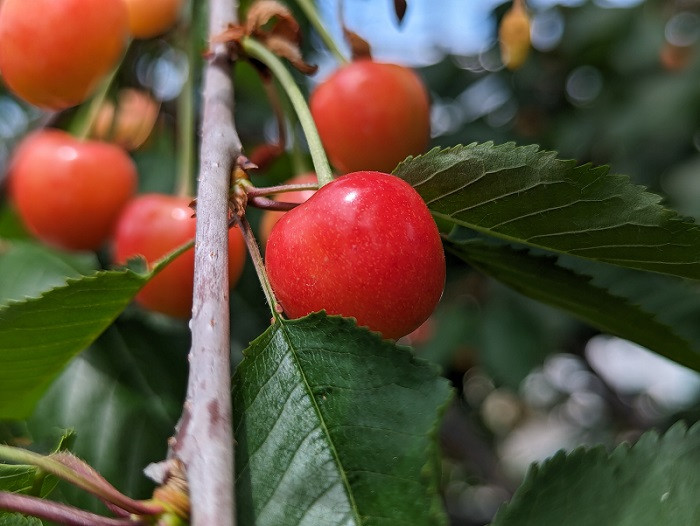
column 256, row 50
column 92, row 110
column 267, row 190
column 169, row 257
column 185, row 111
column 259, row 264
column 311, row 13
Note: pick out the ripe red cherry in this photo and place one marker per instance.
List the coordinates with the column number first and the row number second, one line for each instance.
column 371, row 116
column 149, row 18
column 54, row 52
column 363, row 246
column 153, row 225
column 69, row 192
column 271, row 217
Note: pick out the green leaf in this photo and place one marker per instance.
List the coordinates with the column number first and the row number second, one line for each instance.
column 28, row 269
column 11, row 226
column 29, row 480
column 335, row 426
column 15, row 519
column 39, row 336
column 17, row 479
column 122, row 396
column 529, row 196
column 675, row 302
column 655, row 482
column 544, row 279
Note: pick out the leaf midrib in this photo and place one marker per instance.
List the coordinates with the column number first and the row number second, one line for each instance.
column 324, row 427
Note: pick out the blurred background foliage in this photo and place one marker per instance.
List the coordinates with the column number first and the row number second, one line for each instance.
column 606, row 82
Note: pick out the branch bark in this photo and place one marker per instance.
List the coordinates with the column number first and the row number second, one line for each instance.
column 205, row 436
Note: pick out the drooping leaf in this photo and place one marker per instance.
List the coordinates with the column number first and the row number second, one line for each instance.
column 544, row 279
column 335, row 426
column 529, row 196
column 675, row 302
column 122, row 397
column 39, row 336
column 654, row 482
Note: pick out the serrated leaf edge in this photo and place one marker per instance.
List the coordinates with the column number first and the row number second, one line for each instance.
column 68, row 283
column 643, row 197
column 432, row 481
column 676, row 432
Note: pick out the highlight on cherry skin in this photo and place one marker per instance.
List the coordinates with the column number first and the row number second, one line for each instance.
column 153, row 225
column 363, row 246
column 68, row 192
column 371, row 115
column 54, row 53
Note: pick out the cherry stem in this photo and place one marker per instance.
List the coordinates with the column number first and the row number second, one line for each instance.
column 267, row 190
column 185, row 110
column 259, row 264
column 309, row 8
column 318, row 155
column 93, row 109
column 271, row 204
column 59, row 513
column 170, row 256
column 100, row 488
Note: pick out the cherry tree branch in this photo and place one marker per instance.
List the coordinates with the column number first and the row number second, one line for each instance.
column 205, row 436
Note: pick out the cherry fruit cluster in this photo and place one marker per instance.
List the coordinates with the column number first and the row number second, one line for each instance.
column 78, row 194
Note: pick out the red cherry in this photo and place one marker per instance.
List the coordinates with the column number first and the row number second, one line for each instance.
column 270, row 217
column 53, row 53
column 153, row 225
column 363, row 246
column 69, row 192
column 371, row 116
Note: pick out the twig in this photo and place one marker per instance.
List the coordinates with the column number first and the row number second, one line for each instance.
column 205, row 435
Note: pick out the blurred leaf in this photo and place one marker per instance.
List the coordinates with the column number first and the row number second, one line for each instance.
column 29, row 268
column 14, row 433
column 542, row 278
column 335, row 426
column 510, row 355
column 528, row 196
column 654, row 482
column 11, row 226
column 39, row 336
column 123, row 397
column 675, row 302
column 156, row 163
column 15, row 519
